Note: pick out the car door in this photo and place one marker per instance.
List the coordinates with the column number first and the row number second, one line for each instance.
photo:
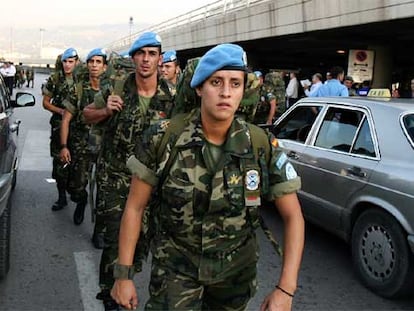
column 339, row 161
column 4, row 132
column 293, row 129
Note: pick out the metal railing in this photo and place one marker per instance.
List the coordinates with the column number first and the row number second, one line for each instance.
column 220, row 7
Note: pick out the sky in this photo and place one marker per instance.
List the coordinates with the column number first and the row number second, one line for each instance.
column 47, row 13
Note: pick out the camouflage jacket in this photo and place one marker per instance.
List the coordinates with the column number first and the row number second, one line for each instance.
column 251, row 97
column 123, row 128
column 81, row 95
column 57, row 88
column 209, row 211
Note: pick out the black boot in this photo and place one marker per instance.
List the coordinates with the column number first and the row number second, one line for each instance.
column 98, row 240
column 79, row 213
column 61, row 202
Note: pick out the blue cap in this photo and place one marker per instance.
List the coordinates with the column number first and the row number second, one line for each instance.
column 124, row 54
column 258, row 74
column 223, row 56
column 70, row 52
column 169, row 56
column 146, row 39
column 96, row 52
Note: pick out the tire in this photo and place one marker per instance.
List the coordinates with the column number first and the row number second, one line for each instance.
column 381, row 255
column 5, row 241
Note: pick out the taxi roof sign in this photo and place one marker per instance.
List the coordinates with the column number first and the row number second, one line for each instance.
column 379, row 93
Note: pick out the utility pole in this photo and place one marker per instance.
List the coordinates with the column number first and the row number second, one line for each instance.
column 41, row 42
column 131, row 23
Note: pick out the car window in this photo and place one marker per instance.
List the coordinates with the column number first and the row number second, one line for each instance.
column 297, row 124
column 408, row 121
column 338, row 129
column 364, row 144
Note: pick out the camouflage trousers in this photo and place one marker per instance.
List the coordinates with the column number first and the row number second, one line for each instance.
column 111, row 222
column 59, row 173
column 111, row 200
column 78, row 176
column 176, row 285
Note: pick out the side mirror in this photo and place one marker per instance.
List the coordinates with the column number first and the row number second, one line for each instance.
column 23, row 100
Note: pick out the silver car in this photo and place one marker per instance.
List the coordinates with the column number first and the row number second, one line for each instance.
column 356, row 159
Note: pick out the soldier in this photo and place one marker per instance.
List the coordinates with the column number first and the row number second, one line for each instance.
column 75, row 141
column 272, row 97
column 248, row 105
column 54, row 92
column 128, row 106
column 170, row 69
column 30, row 76
column 208, row 179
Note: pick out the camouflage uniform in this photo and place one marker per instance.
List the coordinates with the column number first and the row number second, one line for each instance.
column 30, row 76
column 251, row 97
column 186, row 97
column 78, row 142
column 272, row 88
column 205, row 251
column 57, row 88
column 121, row 132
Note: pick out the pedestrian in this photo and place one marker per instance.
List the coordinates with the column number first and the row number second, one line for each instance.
column 292, row 90
column 316, row 83
column 8, row 71
column 170, row 69
column 208, row 178
column 349, row 83
column 127, row 107
column 30, row 76
column 333, row 86
column 54, row 92
column 74, row 132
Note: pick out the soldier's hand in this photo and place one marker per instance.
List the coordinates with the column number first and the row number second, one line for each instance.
column 65, row 155
column 124, row 293
column 114, row 103
column 277, row 301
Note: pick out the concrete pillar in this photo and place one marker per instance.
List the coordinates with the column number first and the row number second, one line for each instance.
column 382, row 76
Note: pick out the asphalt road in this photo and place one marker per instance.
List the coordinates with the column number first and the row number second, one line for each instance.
column 55, row 267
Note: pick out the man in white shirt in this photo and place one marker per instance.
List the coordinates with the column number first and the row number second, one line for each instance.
column 8, row 71
column 292, row 90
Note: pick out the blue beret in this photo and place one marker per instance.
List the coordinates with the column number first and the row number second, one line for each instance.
column 70, row 52
column 96, row 52
column 226, row 55
column 146, row 39
column 258, row 74
column 169, row 56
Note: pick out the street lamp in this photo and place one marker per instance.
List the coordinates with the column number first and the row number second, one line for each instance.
column 41, row 41
column 131, row 23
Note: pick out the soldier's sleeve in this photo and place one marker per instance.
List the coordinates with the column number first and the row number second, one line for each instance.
column 143, row 163
column 70, row 102
column 283, row 178
column 48, row 88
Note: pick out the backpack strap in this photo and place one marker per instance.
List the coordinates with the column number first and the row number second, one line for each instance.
column 173, row 131
column 261, row 149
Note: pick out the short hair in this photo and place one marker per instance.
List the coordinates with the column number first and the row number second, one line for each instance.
column 319, row 76
column 336, row 71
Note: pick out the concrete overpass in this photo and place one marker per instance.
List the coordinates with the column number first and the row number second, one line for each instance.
column 303, row 35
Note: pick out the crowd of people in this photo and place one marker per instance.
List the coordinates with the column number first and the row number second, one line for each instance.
column 16, row 76
column 184, row 186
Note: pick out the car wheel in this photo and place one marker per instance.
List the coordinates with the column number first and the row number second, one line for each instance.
column 5, row 241
column 381, row 255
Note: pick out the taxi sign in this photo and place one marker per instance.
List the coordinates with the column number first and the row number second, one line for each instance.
column 379, row 93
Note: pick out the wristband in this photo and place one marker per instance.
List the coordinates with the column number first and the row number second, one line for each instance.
column 63, row 146
column 284, row 291
column 123, row 272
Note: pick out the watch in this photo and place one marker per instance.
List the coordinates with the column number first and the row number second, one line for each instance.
column 63, row 146
column 123, row 272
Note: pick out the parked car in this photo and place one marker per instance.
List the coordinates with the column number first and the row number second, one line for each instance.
column 9, row 130
column 356, row 160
